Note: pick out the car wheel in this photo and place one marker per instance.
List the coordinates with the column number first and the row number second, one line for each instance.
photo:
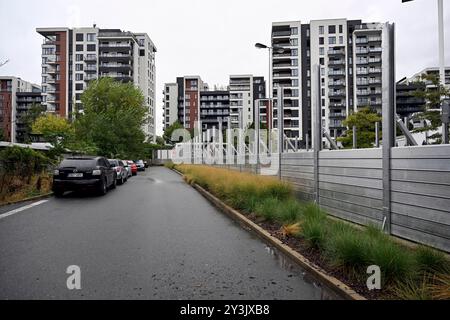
column 103, row 188
column 114, row 184
column 122, row 181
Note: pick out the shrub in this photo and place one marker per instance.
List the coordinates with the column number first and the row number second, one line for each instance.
column 395, row 262
column 314, row 231
column 430, row 260
column 268, row 209
column 347, row 247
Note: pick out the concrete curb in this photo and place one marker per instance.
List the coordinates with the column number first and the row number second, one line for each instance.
column 332, row 283
column 42, row 196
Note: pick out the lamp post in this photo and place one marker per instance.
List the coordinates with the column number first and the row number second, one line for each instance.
column 277, row 49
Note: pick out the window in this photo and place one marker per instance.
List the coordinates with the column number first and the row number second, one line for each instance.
column 340, row 28
column 331, row 40
column 79, row 47
column 294, row 52
column 321, row 51
column 79, row 86
column 91, row 37
column 294, row 31
column 295, row 83
column 80, row 37
column 79, row 67
column 294, row 62
column 79, row 57
column 294, row 42
column 321, row 41
column 79, row 77
column 321, row 30
column 294, row 72
column 332, row 29
column 321, row 61
column 307, row 32
column 91, row 47
column 341, row 40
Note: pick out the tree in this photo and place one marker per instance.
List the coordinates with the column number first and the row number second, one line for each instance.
column 27, row 118
column 433, row 96
column 167, row 136
column 364, row 120
column 55, row 130
column 112, row 119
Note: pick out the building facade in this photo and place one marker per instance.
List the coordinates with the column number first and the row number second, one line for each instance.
column 348, row 53
column 71, row 58
column 190, row 99
column 16, row 98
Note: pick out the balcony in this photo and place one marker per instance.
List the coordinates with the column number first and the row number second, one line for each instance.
column 90, row 58
column 114, row 45
column 338, row 93
column 336, row 62
column 338, row 115
column 362, row 51
column 374, row 39
column 336, row 52
column 286, row 33
column 375, row 50
column 336, row 84
column 337, row 105
column 336, row 73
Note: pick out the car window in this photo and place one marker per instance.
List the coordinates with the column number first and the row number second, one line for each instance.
column 102, row 162
column 121, row 163
column 78, row 163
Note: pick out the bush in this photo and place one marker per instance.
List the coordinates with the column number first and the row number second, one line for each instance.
column 430, row 260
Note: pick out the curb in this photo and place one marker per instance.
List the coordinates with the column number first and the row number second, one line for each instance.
column 42, row 196
column 331, row 282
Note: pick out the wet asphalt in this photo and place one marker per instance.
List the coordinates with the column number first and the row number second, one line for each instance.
column 153, row 238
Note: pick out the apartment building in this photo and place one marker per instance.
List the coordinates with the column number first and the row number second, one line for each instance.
column 16, row 98
column 244, row 91
column 71, row 58
column 190, row 99
column 407, row 102
column 348, row 53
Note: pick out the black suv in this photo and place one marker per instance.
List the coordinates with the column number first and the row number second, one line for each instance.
column 79, row 173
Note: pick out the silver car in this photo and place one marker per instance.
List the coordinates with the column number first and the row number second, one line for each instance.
column 127, row 168
column 119, row 167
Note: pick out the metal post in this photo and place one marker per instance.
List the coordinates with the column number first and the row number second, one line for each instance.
column 355, row 142
column 257, row 134
column 316, row 128
column 445, row 121
column 441, row 41
column 280, row 118
column 377, row 134
column 296, row 144
column 389, row 117
column 307, row 141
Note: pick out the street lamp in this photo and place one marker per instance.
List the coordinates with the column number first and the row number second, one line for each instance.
column 277, row 49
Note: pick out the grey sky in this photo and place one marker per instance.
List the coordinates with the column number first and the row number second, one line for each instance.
column 212, row 38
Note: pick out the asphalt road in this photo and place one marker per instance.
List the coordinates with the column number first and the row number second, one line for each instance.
column 153, row 238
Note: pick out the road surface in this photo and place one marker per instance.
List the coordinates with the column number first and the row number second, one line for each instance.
column 153, row 238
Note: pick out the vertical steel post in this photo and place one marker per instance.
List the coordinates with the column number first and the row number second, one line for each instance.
column 316, row 128
column 377, row 134
column 257, row 135
column 280, row 118
column 389, row 116
column 355, row 142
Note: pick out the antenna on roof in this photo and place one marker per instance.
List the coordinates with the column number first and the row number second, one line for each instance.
column 95, row 25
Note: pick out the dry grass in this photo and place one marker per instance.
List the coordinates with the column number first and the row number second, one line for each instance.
column 18, row 189
column 440, row 289
column 291, row 229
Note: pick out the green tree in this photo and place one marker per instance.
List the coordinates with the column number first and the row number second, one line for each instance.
column 55, row 130
column 28, row 118
column 433, row 96
column 364, row 120
column 167, row 136
column 112, row 119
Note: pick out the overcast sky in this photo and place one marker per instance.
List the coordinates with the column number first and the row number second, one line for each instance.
column 211, row 38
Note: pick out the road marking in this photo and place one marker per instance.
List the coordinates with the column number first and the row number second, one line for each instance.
column 10, row 213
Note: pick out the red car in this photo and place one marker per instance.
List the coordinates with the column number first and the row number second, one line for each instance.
column 133, row 166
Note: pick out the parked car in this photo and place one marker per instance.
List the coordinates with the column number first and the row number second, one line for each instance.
column 127, row 168
column 140, row 165
column 80, row 173
column 133, row 167
column 122, row 173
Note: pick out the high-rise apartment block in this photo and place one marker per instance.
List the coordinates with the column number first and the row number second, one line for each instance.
column 190, row 100
column 348, row 53
column 71, row 58
column 16, row 98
